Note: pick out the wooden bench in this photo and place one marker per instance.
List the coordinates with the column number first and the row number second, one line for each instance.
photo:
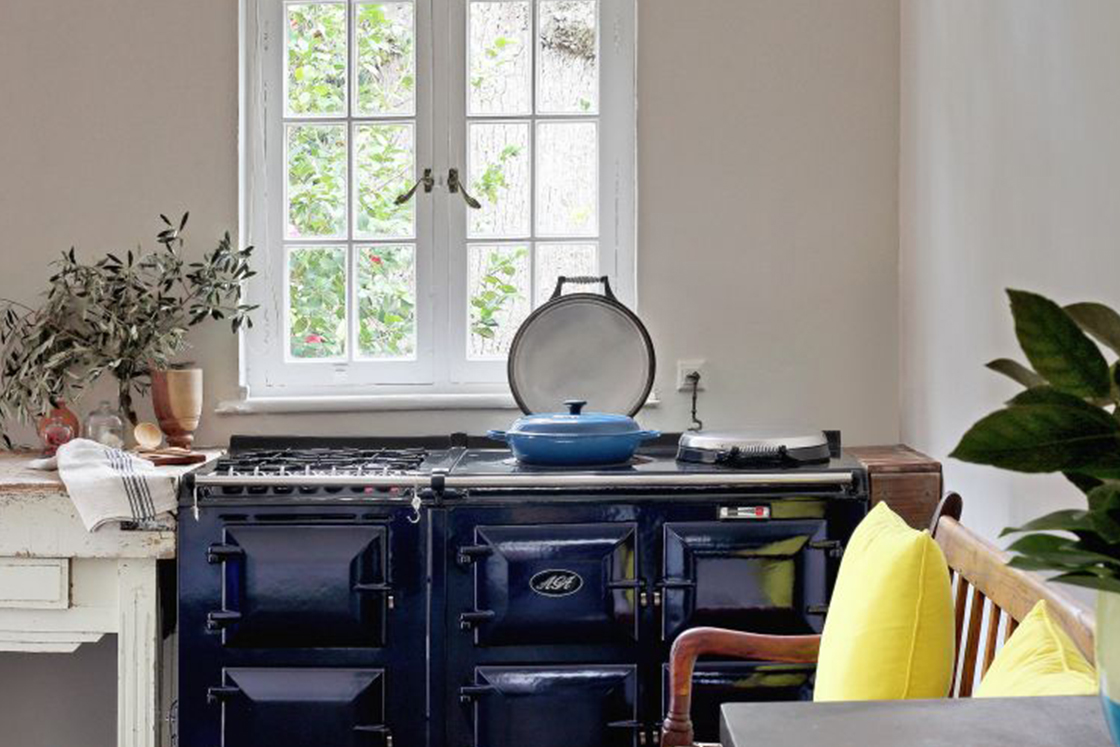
column 991, row 598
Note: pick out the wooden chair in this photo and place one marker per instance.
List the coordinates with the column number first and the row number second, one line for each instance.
column 991, row 598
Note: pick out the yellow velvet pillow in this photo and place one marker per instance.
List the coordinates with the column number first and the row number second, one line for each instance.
column 1038, row 659
column 889, row 631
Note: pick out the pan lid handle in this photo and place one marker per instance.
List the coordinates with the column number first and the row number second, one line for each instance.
column 575, row 406
column 584, row 280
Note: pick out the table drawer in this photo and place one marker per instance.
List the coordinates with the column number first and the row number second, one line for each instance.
column 34, row 583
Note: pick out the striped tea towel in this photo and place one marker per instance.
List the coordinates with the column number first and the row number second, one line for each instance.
column 108, row 484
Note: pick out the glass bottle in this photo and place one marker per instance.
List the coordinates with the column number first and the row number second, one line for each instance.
column 105, row 426
column 55, row 433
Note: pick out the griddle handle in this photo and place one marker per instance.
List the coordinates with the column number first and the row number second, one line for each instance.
column 583, row 280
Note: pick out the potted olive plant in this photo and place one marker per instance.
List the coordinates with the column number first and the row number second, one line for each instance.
column 1066, row 420
column 125, row 316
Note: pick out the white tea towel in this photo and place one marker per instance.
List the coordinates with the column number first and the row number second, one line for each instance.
column 108, row 484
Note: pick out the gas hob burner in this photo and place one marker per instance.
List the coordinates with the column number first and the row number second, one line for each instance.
column 320, row 461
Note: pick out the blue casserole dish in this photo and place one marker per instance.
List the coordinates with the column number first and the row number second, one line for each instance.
column 574, row 438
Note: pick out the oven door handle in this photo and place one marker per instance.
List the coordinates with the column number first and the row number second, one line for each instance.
column 221, row 553
column 632, row 583
column 473, row 553
column 221, row 694
column 378, row 729
column 629, row 725
column 219, row 619
column 471, row 618
column 677, row 583
column 370, row 588
column 470, row 693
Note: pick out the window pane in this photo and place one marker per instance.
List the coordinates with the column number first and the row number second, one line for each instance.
column 386, row 58
column 500, row 58
column 317, row 301
column 568, row 65
column 386, row 301
column 317, row 58
column 384, row 162
column 498, row 288
column 567, row 178
column 554, row 260
column 498, row 172
column 316, row 180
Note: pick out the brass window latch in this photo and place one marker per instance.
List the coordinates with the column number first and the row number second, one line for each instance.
column 454, row 185
column 427, row 181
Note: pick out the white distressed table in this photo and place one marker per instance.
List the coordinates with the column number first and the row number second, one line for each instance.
column 61, row 586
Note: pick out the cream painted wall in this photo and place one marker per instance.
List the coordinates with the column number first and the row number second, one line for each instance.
column 768, row 191
column 1010, row 165
column 768, row 194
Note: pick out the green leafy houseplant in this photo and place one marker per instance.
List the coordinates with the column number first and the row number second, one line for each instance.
column 1067, row 420
column 122, row 316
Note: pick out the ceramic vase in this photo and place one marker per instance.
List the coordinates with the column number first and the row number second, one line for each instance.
column 1108, row 658
column 177, row 400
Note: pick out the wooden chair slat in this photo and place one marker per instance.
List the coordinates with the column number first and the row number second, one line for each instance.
column 1009, row 628
column 971, row 642
column 959, row 607
column 990, row 643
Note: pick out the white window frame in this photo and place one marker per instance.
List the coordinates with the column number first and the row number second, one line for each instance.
column 440, row 375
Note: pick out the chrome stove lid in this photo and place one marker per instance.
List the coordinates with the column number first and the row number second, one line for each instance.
column 749, row 447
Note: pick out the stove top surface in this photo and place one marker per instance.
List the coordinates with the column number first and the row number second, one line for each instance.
column 456, row 456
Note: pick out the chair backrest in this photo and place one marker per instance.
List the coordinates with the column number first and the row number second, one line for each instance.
column 991, row 598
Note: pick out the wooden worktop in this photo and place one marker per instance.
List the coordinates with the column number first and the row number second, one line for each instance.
column 906, row 480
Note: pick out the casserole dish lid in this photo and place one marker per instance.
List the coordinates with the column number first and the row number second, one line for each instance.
column 575, row 422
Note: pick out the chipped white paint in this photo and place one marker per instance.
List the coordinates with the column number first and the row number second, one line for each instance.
column 137, row 657
column 61, row 586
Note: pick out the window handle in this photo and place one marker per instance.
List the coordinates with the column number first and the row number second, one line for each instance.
column 427, row 180
column 454, row 185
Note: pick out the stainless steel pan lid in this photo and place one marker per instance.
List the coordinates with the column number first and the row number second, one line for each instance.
column 582, row 346
column 743, row 447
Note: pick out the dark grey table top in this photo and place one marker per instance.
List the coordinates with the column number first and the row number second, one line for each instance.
column 965, row 722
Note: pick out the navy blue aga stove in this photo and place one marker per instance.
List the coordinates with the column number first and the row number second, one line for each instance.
column 435, row 593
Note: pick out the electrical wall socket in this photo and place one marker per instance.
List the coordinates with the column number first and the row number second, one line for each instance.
column 684, row 368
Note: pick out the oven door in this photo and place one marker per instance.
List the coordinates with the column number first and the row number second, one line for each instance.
column 559, row 706
column 762, row 577
column 302, row 586
column 302, row 707
column 558, row 583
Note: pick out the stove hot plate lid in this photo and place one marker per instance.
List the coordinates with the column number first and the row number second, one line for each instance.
column 754, row 446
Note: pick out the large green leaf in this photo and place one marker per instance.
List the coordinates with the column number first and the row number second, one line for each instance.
column 1098, row 320
column 1016, row 371
column 1058, row 549
column 1090, row 581
column 1067, row 521
column 1056, row 346
column 1084, row 483
column 1048, row 395
column 1104, row 507
column 1044, row 438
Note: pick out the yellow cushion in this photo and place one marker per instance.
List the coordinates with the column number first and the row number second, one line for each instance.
column 1038, row 659
column 889, row 631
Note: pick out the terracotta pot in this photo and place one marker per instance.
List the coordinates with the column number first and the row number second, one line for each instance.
column 177, row 399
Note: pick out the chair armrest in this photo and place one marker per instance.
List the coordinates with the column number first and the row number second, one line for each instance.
column 697, row 642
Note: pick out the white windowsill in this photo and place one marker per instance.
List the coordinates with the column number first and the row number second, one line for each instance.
column 366, row 403
column 375, row 402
